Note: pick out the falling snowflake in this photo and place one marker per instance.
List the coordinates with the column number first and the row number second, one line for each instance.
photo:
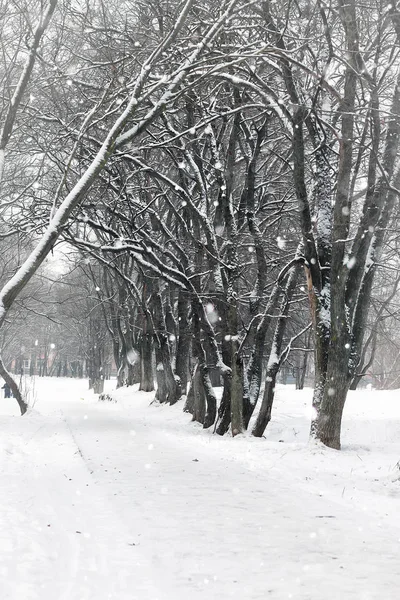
column 211, row 313
column 281, row 242
column 132, row 356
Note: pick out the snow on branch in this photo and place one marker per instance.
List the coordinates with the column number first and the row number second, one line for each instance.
column 115, row 139
column 15, row 102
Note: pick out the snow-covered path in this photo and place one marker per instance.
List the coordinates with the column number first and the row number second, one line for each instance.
column 60, row 537
column 131, row 504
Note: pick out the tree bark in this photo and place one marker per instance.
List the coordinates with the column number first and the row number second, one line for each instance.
column 146, row 361
column 168, row 390
column 184, row 338
column 199, row 405
column 189, row 404
column 264, row 416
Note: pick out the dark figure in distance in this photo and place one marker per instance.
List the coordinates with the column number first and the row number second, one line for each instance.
column 7, row 390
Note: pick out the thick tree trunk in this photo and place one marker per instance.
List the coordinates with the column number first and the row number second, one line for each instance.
column 320, row 315
column 189, row 404
column 162, row 389
column 201, row 395
column 146, row 362
column 117, row 353
column 330, row 421
column 320, row 366
column 168, row 390
column 133, row 374
column 231, row 408
column 184, row 339
column 211, row 399
column 236, row 391
column 199, row 405
column 225, row 407
column 224, row 410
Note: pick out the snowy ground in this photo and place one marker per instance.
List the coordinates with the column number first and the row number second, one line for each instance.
column 129, row 501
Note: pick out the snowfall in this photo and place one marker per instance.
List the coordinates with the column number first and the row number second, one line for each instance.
column 131, row 500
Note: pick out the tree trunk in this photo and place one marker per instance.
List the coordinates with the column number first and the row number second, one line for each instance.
column 203, row 400
column 224, row 410
column 199, row 405
column 319, row 308
column 264, row 416
column 121, row 375
column 23, row 406
column 98, row 385
column 189, row 404
column 162, row 390
column 146, row 362
column 184, row 338
column 330, row 421
column 231, row 407
column 169, row 391
column 236, row 391
column 133, row 374
column 211, row 400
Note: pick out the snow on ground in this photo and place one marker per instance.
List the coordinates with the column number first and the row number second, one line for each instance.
column 129, row 500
